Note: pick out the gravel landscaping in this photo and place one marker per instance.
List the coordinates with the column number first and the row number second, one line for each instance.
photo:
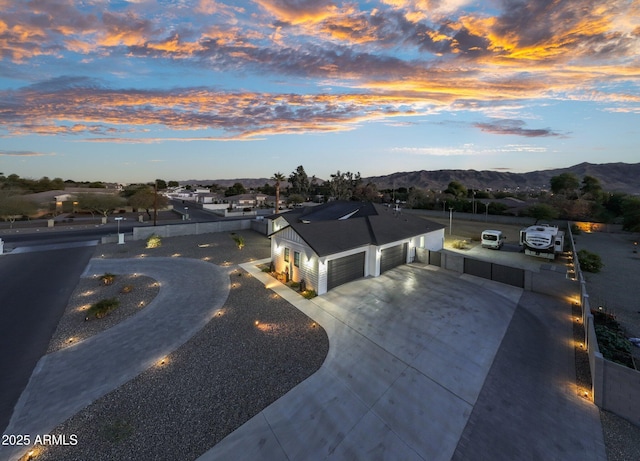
column 133, row 292
column 227, row 373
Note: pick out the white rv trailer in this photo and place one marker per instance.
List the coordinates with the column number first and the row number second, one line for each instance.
column 542, row 240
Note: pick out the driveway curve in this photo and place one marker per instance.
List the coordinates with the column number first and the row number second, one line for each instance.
column 68, row 380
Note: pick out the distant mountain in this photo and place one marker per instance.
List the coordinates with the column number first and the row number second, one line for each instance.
column 614, row 177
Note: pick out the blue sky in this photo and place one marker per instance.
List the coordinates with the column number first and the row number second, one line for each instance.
column 131, row 91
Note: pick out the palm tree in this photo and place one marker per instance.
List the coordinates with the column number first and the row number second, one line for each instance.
column 278, row 178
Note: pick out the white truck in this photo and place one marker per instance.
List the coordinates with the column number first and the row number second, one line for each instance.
column 491, row 238
column 542, row 240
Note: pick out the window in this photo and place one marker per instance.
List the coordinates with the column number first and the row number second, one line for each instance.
column 296, row 259
column 286, row 255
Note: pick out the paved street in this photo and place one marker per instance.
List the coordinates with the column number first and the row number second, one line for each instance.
column 34, row 290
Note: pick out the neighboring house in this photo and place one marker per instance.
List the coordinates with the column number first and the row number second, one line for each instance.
column 210, row 198
column 246, row 200
column 271, row 201
column 334, row 243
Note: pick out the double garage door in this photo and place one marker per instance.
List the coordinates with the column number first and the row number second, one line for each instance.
column 346, row 269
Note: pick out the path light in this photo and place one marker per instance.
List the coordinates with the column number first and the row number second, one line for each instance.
column 313, row 325
column 141, row 304
column 257, row 323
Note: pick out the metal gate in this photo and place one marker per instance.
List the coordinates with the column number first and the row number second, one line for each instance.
column 497, row 272
column 477, row 268
column 345, row 269
column 435, row 258
column 392, row 257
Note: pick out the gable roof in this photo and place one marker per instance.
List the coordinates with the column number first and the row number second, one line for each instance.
column 340, row 226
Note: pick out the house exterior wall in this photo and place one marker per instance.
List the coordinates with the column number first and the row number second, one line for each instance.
column 433, row 241
column 306, row 270
column 313, row 269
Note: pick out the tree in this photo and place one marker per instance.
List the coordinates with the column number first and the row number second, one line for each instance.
column 565, row 184
column 99, row 203
column 342, row 185
column 542, row 211
column 418, row 198
column 295, row 199
column 236, row 189
column 173, row 184
column 161, row 184
column 366, row 192
column 591, row 187
column 278, row 178
column 299, row 181
column 146, row 199
column 631, row 214
column 456, row 189
column 15, row 206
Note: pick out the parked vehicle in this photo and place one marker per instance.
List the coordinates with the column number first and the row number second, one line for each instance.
column 542, row 240
column 492, row 239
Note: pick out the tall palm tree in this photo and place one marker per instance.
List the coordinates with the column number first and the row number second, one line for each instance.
column 278, row 178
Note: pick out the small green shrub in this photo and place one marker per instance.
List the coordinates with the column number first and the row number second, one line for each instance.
column 239, row 239
column 154, row 241
column 103, row 307
column 589, row 262
column 107, row 278
column 309, row 294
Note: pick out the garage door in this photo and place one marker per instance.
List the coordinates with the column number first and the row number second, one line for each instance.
column 343, row 270
column 392, row 257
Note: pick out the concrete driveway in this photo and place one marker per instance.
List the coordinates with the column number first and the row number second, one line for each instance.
column 409, row 354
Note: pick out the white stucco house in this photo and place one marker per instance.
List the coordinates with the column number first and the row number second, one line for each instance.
column 334, row 243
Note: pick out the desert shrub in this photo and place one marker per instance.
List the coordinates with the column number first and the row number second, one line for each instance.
column 107, row 278
column 239, row 239
column 127, row 289
column 154, row 241
column 589, row 262
column 309, row 294
column 103, row 307
column 460, row 245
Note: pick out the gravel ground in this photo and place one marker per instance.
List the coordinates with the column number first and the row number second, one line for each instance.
column 227, row 373
column 134, row 292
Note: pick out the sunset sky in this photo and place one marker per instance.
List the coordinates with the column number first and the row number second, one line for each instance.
column 135, row 90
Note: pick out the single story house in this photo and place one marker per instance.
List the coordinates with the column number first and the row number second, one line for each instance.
column 334, row 243
column 246, row 200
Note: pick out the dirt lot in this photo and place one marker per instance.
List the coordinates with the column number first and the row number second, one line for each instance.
column 615, row 287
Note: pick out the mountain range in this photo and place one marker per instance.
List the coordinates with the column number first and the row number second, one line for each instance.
column 614, row 177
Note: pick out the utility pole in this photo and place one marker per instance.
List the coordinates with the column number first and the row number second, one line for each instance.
column 155, row 202
column 450, row 219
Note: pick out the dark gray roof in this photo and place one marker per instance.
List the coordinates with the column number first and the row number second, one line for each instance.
column 340, row 226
